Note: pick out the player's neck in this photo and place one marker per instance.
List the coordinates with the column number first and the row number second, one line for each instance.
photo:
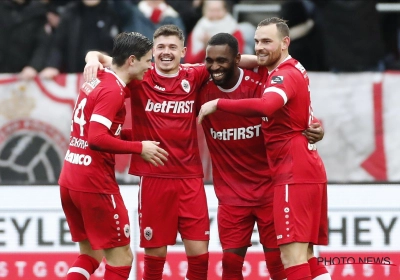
column 121, row 73
column 169, row 74
column 284, row 56
column 233, row 80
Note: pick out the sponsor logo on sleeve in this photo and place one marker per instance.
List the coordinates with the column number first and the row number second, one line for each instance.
column 88, row 87
column 277, row 80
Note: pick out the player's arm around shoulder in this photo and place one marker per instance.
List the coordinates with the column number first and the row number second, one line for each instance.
column 95, row 61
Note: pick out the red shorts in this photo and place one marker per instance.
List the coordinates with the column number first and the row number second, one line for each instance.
column 301, row 213
column 236, row 224
column 167, row 206
column 100, row 218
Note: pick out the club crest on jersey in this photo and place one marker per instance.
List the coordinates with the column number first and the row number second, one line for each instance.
column 185, row 85
column 277, row 80
column 127, row 231
column 148, row 233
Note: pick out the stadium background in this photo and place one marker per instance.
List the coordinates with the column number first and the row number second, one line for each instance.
column 361, row 148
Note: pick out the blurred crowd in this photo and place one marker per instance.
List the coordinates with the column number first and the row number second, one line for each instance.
column 49, row 37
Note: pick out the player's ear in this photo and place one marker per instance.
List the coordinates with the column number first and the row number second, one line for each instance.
column 183, row 53
column 285, row 43
column 237, row 58
column 132, row 59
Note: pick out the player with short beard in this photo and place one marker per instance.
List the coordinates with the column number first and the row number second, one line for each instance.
column 298, row 173
column 172, row 197
column 90, row 196
column 241, row 175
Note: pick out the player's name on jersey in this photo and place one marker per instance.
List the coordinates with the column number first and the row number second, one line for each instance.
column 77, row 142
column 177, row 107
column 237, row 133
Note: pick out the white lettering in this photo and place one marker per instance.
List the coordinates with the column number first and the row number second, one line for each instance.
column 39, row 269
column 236, row 133
column 348, row 270
column 246, row 268
column 159, row 88
column 167, row 269
column 176, row 107
column 20, row 267
column 368, row 270
column 3, row 269
column 79, row 143
column 78, row 158
column 61, row 269
column 183, row 266
column 118, row 132
column 262, row 269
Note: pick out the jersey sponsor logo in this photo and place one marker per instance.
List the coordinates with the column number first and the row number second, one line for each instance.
column 78, row 143
column 118, row 131
column 177, row 107
column 148, row 233
column 277, row 80
column 238, row 133
column 88, row 87
column 185, row 85
column 78, row 158
column 159, row 88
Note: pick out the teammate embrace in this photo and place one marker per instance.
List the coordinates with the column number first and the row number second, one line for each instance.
column 254, row 187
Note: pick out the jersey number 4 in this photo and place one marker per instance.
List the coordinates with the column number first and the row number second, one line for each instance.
column 79, row 117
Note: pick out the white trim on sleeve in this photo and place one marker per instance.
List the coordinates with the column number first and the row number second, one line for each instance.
column 79, row 270
column 101, row 119
column 278, row 91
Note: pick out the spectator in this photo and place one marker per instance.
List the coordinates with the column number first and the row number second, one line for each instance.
column 304, row 34
column 85, row 25
column 216, row 19
column 45, row 39
column 391, row 35
column 21, row 24
column 146, row 16
column 351, row 35
column 189, row 11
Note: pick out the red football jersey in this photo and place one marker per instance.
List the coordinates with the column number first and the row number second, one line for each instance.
column 163, row 109
column 291, row 158
column 102, row 101
column 240, row 171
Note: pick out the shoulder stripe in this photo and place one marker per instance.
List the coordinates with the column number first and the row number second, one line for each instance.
column 278, row 91
column 101, row 119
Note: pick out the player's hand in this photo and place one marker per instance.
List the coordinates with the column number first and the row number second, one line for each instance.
column 206, row 109
column 91, row 68
column 314, row 133
column 49, row 73
column 28, row 73
column 152, row 153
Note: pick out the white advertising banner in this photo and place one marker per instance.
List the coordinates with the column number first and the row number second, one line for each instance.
column 359, row 113
column 364, row 230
